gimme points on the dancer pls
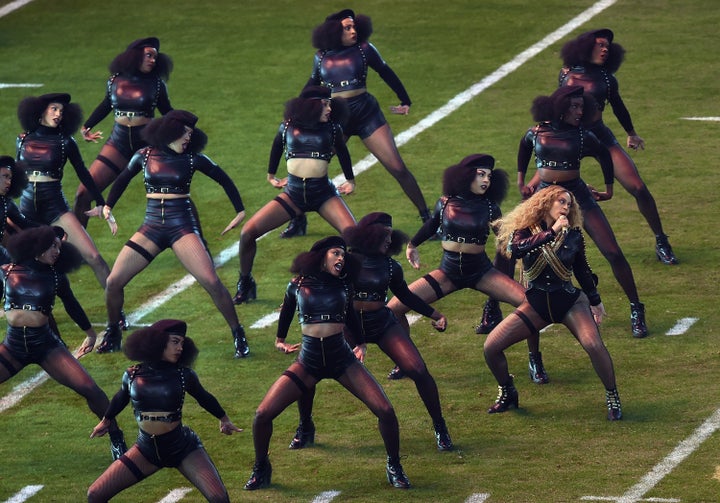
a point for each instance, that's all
(157, 386)
(12, 182)
(376, 241)
(591, 60)
(341, 63)
(310, 134)
(46, 145)
(168, 163)
(473, 191)
(544, 231)
(33, 279)
(559, 141)
(322, 293)
(136, 88)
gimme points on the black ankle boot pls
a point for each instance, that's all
(491, 317)
(260, 477)
(613, 405)
(444, 442)
(507, 398)
(296, 227)
(112, 339)
(241, 346)
(117, 444)
(536, 369)
(637, 320)
(664, 251)
(246, 289)
(396, 374)
(124, 325)
(304, 435)
(396, 475)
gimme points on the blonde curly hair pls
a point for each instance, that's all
(532, 211)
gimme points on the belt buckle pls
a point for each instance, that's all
(552, 163)
(164, 190)
(460, 239)
(362, 295)
(27, 307)
(344, 83)
(315, 155)
(324, 317)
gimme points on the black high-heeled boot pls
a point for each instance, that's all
(536, 369)
(260, 476)
(117, 444)
(612, 398)
(112, 339)
(637, 320)
(296, 227)
(396, 475)
(304, 435)
(124, 325)
(664, 251)
(444, 442)
(246, 289)
(396, 373)
(491, 317)
(507, 398)
(241, 346)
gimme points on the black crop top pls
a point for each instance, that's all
(345, 69)
(559, 146)
(139, 93)
(571, 252)
(167, 172)
(602, 85)
(380, 273)
(160, 387)
(317, 142)
(320, 298)
(462, 219)
(45, 152)
(33, 286)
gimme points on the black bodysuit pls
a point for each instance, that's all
(379, 274)
(550, 290)
(139, 93)
(320, 141)
(45, 152)
(321, 298)
(462, 219)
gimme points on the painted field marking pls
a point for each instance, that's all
(326, 497)
(667, 465)
(710, 119)
(13, 6)
(176, 495)
(24, 494)
(682, 326)
(477, 498)
(7, 85)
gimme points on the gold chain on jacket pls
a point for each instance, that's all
(548, 257)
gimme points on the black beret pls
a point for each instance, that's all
(604, 33)
(182, 116)
(339, 16)
(63, 98)
(478, 161)
(7, 162)
(327, 243)
(316, 92)
(145, 42)
(176, 327)
(376, 217)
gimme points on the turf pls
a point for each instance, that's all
(236, 63)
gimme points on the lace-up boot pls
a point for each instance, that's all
(491, 317)
(637, 320)
(396, 475)
(536, 369)
(246, 289)
(613, 405)
(507, 398)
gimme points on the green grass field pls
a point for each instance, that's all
(236, 63)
